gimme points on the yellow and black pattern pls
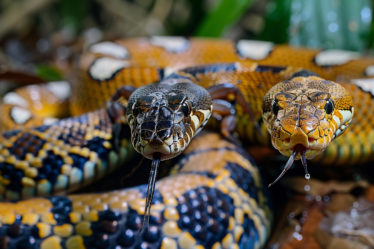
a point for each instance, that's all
(215, 200)
(57, 158)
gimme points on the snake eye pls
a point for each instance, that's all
(329, 106)
(186, 108)
(275, 107)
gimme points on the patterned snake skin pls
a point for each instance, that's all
(214, 197)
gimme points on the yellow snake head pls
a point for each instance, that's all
(304, 114)
(164, 117)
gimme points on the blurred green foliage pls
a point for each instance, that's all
(343, 24)
(225, 14)
(74, 13)
(48, 73)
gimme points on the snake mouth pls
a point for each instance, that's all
(311, 147)
(298, 152)
(161, 149)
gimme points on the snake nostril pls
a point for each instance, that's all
(287, 140)
(311, 140)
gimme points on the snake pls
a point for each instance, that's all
(154, 96)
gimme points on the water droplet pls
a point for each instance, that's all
(307, 176)
(297, 236)
(307, 188)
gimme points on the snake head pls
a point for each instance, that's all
(304, 114)
(164, 117)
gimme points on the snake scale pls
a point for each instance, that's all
(214, 197)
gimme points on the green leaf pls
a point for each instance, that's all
(277, 21)
(341, 24)
(49, 73)
(74, 12)
(224, 15)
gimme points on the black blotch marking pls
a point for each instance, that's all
(8, 171)
(243, 179)
(42, 128)
(273, 69)
(96, 145)
(12, 133)
(26, 143)
(250, 235)
(229, 67)
(198, 206)
(303, 73)
(78, 161)
(51, 167)
(18, 236)
(61, 208)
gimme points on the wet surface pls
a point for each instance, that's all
(325, 215)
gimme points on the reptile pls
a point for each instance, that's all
(204, 202)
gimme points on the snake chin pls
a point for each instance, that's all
(311, 150)
(301, 143)
(162, 150)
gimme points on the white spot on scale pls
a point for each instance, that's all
(49, 121)
(170, 70)
(207, 114)
(171, 81)
(347, 117)
(255, 50)
(365, 84)
(20, 115)
(337, 120)
(111, 49)
(61, 89)
(13, 98)
(75, 176)
(335, 57)
(105, 68)
(88, 170)
(369, 71)
(174, 44)
(195, 122)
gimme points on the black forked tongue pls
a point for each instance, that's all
(289, 164)
(150, 190)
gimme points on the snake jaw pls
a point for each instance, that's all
(300, 141)
(162, 149)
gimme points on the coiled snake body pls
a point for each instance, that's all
(215, 198)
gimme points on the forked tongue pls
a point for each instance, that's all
(150, 190)
(289, 164)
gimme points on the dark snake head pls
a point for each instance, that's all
(164, 117)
